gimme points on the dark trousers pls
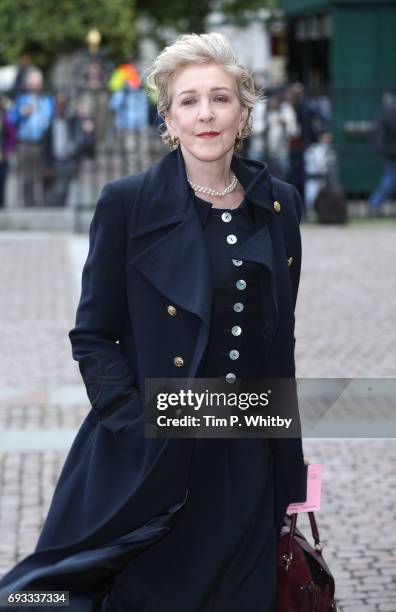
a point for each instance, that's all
(64, 171)
(31, 173)
(386, 187)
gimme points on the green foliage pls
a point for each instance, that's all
(45, 28)
(235, 8)
(180, 15)
(189, 16)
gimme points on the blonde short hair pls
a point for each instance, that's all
(199, 49)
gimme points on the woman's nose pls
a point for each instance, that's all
(205, 112)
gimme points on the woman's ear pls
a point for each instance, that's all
(169, 125)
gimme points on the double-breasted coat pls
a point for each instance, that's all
(118, 491)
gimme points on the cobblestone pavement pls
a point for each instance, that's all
(345, 328)
(36, 310)
(345, 318)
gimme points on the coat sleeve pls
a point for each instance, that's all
(290, 469)
(296, 267)
(101, 314)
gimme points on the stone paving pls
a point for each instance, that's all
(345, 318)
(345, 328)
(36, 309)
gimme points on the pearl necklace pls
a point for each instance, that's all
(214, 192)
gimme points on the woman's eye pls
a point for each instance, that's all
(187, 101)
(221, 98)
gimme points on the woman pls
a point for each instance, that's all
(192, 271)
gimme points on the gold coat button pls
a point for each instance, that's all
(277, 206)
(172, 311)
(289, 261)
(178, 361)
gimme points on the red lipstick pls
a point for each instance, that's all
(208, 134)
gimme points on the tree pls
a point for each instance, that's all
(190, 16)
(44, 28)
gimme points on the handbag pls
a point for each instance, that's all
(330, 204)
(304, 581)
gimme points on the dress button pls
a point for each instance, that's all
(238, 307)
(289, 261)
(237, 262)
(172, 311)
(277, 206)
(236, 330)
(231, 239)
(234, 354)
(178, 361)
(226, 217)
(241, 284)
(230, 377)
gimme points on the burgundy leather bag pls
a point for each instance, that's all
(305, 583)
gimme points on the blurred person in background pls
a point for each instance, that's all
(31, 114)
(280, 127)
(385, 141)
(323, 191)
(68, 138)
(90, 77)
(295, 95)
(130, 106)
(319, 159)
(311, 124)
(7, 144)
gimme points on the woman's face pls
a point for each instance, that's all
(205, 112)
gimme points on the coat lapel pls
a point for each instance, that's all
(168, 245)
(171, 253)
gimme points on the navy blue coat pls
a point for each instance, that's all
(118, 491)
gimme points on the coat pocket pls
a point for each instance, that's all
(119, 416)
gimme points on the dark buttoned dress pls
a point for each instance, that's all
(220, 556)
